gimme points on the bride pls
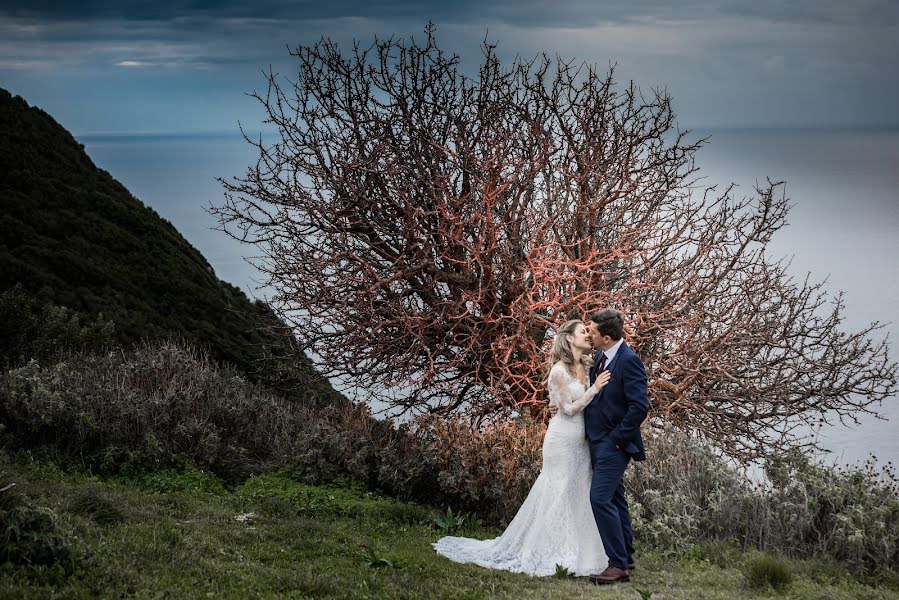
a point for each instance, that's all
(555, 524)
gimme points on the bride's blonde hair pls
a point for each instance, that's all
(561, 350)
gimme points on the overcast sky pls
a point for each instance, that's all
(172, 66)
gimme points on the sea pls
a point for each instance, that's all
(843, 227)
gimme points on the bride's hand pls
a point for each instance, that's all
(601, 380)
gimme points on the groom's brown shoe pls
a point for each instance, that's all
(610, 575)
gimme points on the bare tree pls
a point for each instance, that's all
(425, 230)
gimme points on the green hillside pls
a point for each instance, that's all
(74, 236)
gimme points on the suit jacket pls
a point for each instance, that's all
(616, 412)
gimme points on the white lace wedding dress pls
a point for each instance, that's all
(555, 523)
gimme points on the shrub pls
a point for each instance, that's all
(33, 329)
(848, 513)
(488, 471)
(150, 407)
(684, 493)
(767, 572)
(28, 534)
(96, 506)
(184, 480)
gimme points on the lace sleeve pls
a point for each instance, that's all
(560, 392)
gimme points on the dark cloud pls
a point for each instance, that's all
(519, 12)
(725, 62)
(263, 9)
(834, 12)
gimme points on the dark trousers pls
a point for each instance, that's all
(609, 505)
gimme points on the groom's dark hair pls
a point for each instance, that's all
(609, 322)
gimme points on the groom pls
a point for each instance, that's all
(612, 425)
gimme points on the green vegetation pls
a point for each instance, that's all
(273, 536)
(80, 244)
(28, 534)
(97, 506)
(768, 572)
(32, 329)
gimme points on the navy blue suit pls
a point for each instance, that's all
(612, 426)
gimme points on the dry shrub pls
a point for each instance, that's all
(159, 403)
(488, 470)
(850, 513)
(685, 493)
(146, 407)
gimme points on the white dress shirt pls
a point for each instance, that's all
(611, 352)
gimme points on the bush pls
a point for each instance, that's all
(28, 534)
(848, 513)
(149, 407)
(767, 572)
(162, 404)
(444, 462)
(97, 507)
(32, 329)
(684, 493)
(185, 479)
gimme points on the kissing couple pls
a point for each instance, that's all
(576, 513)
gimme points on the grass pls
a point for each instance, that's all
(178, 535)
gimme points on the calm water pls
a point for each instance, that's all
(844, 226)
